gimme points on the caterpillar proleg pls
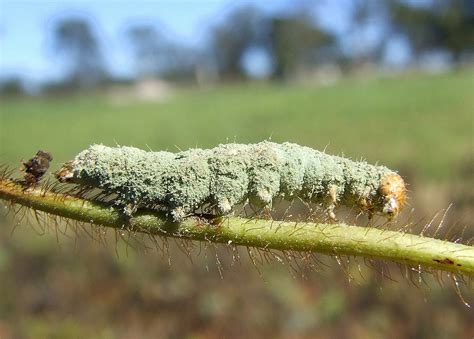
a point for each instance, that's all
(220, 178)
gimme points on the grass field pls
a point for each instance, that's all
(421, 124)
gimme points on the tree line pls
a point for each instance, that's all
(290, 42)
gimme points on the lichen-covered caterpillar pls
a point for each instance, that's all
(217, 179)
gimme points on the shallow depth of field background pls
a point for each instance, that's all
(387, 81)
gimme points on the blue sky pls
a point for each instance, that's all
(25, 27)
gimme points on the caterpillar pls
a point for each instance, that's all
(231, 174)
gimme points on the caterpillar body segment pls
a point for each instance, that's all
(220, 178)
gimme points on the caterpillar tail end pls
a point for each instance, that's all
(65, 173)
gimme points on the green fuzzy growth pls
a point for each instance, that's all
(225, 176)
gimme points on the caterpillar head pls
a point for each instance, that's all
(392, 192)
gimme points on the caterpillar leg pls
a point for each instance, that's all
(178, 214)
(267, 210)
(370, 214)
(223, 206)
(264, 202)
(366, 207)
(331, 204)
(261, 197)
(129, 209)
(264, 196)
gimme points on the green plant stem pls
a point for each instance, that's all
(332, 239)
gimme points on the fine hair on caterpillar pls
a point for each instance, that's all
(216, 180)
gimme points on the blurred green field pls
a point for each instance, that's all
(421, 124)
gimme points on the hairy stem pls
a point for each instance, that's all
(332, 239)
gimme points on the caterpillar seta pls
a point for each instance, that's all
(215, 180)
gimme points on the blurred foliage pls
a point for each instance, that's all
(76, 42)
(157, 56)
(242, 29)
(12, 87)
(443, 25)
(294, 42)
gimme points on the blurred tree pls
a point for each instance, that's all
(12, 86)
(75, 40)
(296, 42)
(244, 28)
(145, 42)
(446, 24)
(182, 63)
(367, 17)
(158, 57)
(292, 41)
